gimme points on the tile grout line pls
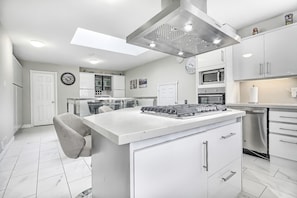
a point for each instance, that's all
(65, 173)
(5, 189)
(37, 182)
(263, 192)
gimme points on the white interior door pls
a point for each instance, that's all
(43, 97)
(167, 94)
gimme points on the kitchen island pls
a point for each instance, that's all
(139, 155)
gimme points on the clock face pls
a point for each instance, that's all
(68, 78)
(191, 65)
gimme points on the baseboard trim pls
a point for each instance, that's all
(6, 148)
(25, 126)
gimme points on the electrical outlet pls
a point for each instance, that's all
(294, 92)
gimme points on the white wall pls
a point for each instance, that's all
(270, 91)
(6, 89)
(63, 91)
(162, 71)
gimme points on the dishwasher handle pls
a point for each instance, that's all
(256, 111)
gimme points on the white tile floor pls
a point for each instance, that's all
(36, 167)
(264, 180)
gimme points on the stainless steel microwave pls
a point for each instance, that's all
(212, 76)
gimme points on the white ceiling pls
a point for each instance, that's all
(55, 22)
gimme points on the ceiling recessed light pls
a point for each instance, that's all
(216, 41)
(94, 61)
(247, 55)
(180, 53)
(152, 45)
(36, 43)
(188, 27)
(88, 38)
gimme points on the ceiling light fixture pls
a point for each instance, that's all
(216, 41)
(152, 44)
(36, 43)
(94, 61)
(180, 53)
(188, 27)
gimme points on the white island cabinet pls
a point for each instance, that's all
(136, 155)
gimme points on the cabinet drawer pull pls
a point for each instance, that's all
(284, 141)
(227, 136)
(288, 129)
(231, 175)
(261, 69)
(206, 155)
(288, 117)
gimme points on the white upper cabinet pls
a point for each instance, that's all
(118, 86)
(249, 58)
(87, 80)
(213, 58)
(280, 52)
(118, 82)
(268, 55)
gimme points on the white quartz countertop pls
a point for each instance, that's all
(265, 105)
(130, 125)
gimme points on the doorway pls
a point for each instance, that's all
(43, 86)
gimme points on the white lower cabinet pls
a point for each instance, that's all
(172, 169)
(221, 144)
(200, 165)
(226, 182)
(283, 146)
(283, 134)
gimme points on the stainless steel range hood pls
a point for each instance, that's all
(183, 29)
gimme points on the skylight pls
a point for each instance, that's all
(88, 38)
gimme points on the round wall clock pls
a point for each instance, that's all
(68, 78)
(190, 65)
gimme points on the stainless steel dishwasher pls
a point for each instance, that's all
(255, 133)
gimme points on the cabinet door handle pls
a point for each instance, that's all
(261, 69)
(227, 136)
(288, 129)
(268, 68)
(229, 176)
(284, 141)
(288, 117)
(206, 155)
(222, 55)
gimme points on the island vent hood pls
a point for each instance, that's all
(183, 29)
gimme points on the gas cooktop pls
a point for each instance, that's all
(183, 110)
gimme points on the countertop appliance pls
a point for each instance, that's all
(183, 110)
(183, 29)
(255, 133)
(211, 95)
(212, 76)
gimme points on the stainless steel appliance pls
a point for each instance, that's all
(212, 76)
(183, 110)
(211, 95)
(255, 133)
(183, 29)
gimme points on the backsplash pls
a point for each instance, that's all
(270, 91)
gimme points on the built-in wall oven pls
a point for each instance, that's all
(211, 95)
(212, 76)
